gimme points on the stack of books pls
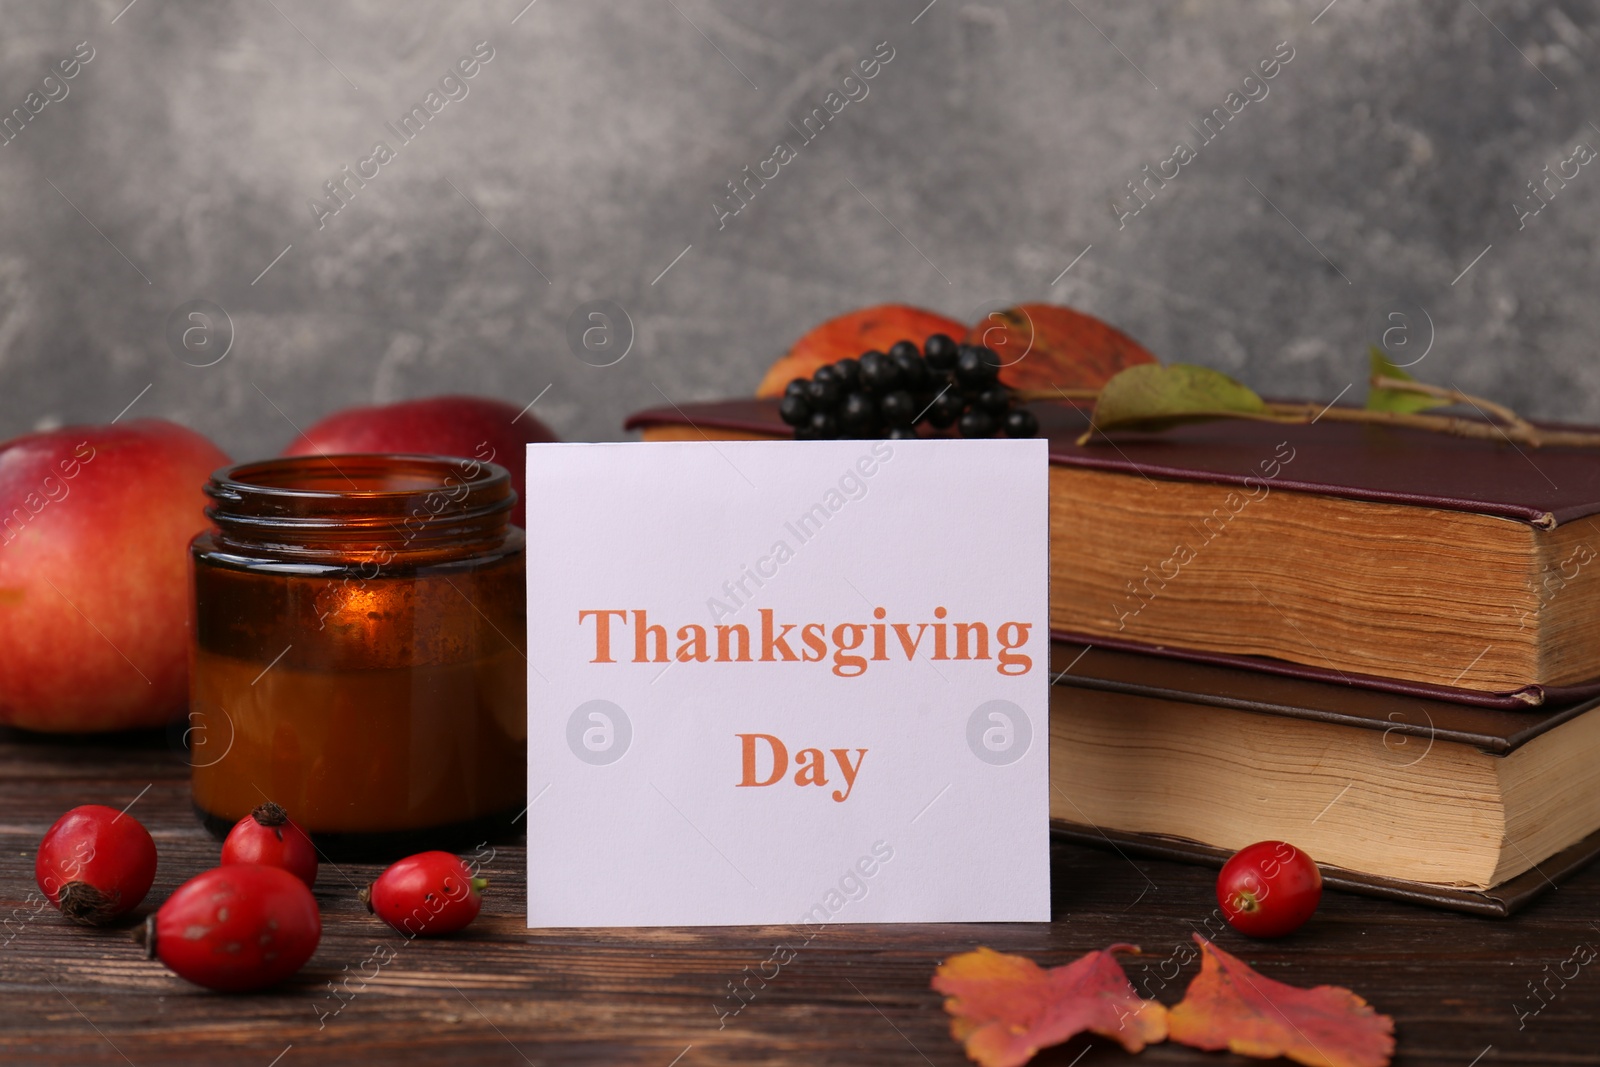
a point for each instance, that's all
(1379, 643)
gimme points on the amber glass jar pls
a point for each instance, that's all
(358, 652)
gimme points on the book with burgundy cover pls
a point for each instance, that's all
(1384, 557)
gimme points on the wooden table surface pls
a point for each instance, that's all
(502, 994)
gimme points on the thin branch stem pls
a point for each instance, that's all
(1526, 433)
(1517, 430)
(1453, 396)
(1055, 393)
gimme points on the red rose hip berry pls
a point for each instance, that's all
(269, 837)
(426, 895)
(1269, 889)
(95, 863)
(236, 929)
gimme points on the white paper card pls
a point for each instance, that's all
(782, 682)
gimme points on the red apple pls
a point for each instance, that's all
(95, 524)
(471, 427)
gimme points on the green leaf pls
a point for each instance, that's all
(1385, 399)
(1152, 396)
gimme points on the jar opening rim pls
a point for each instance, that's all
(331, 507)
(372, 476)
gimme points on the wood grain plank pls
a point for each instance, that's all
(502, 994)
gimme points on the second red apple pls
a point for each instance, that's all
(467, 426)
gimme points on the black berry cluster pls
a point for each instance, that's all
(891, 394)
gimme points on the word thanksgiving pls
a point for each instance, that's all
(779, 642)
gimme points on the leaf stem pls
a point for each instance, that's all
(1516, 430)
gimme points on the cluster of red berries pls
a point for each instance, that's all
(943, 384)
(251, 922)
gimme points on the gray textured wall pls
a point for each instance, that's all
(588, 153)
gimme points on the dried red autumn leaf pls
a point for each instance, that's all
(1230, 1006)
(1006, 1008)
(1045, 345)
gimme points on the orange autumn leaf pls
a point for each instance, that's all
(1006, 1008)
(853, 333)
(1229, 1005)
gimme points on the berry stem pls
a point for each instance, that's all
(269, 814)
(83, 903)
